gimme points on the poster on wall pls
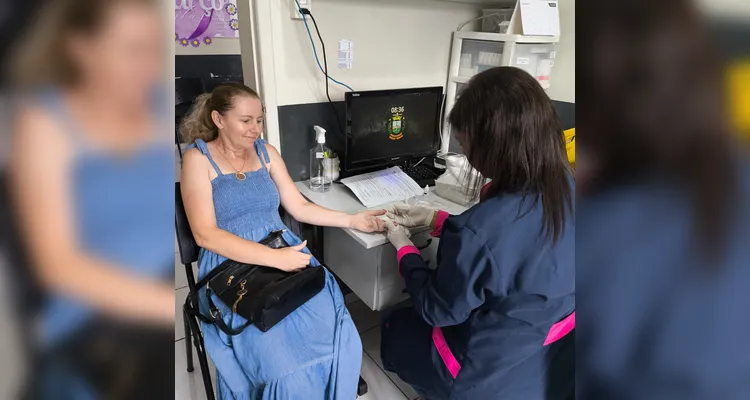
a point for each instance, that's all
(197, 22)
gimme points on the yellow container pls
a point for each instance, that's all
(570, 145)
(739, 96)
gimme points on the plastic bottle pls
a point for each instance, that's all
(319, 181)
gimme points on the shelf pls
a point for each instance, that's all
(460, 79)
(503, 37)
(493, 3)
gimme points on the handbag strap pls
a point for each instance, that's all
(219, 321)
(214, 317)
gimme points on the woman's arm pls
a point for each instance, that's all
(447, 295)
(304, 211)
(40, 164)
(197, 195)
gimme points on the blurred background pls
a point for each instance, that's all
(663, 202)
(86, 199)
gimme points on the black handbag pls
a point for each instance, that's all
(262, 295)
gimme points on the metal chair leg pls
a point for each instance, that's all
(203, 360)
(188, 337)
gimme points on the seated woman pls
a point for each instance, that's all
(232, 184)
(483, 322)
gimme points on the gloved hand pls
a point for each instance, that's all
(411, 216)
(398, 235)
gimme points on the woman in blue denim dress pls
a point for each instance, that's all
(232, 185)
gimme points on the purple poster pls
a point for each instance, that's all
(197, 22)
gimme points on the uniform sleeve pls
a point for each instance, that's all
(439, 222)
(447, 295)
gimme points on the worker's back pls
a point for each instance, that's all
(655, 320)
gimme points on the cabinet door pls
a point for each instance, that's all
(355, 265)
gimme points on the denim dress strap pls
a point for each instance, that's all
(203, 147)
(52, 101)
(262, 151)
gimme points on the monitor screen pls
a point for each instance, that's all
(386, 126)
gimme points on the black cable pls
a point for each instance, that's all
(325, 71)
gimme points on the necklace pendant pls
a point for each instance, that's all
(240, 176)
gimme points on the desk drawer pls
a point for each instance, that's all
(391, 296)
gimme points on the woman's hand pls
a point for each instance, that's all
(368, 221)
(398, 235)
(412, 216)
(292, 258)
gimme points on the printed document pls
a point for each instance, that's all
(382, 187)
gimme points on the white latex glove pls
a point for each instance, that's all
(411, 216)
(398, 235)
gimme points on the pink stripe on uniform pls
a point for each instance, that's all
(406, 250)
(445, 352)
(402, 252)
(439, 221)
(560, 329)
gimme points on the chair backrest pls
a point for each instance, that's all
(27, 292)
(185, 241)
(186, 90)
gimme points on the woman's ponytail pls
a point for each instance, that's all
(198, 123)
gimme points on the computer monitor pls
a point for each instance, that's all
(386, 127)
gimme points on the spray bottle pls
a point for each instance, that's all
(319, 180)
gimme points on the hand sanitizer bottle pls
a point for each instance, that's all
(319, 181)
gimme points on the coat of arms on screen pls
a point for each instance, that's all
(396, 123)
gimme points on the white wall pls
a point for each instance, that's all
(732, 9)
(397, 43)
(563, 80)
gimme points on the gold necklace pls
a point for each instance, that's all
(237, 172)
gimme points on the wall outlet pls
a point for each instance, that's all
(302, 4)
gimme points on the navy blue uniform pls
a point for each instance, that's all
(499, 287)
(657, 320)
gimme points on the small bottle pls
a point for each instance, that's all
(319, 180)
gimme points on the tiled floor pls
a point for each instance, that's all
(381, 385)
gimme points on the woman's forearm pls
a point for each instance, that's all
(234, 247)
(313, 214)
(107, 288)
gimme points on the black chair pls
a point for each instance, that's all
(186, 90)
(27, 295)
(189, 254)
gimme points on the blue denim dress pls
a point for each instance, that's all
(315, 352)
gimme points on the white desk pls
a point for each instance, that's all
(367, 262)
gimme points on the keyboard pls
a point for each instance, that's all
(423, 175)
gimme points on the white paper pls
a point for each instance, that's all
(383, 187)
(540, 17)
(522, 61)
(345, 54)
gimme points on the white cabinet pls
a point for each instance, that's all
(372, 274)
(474, 52)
